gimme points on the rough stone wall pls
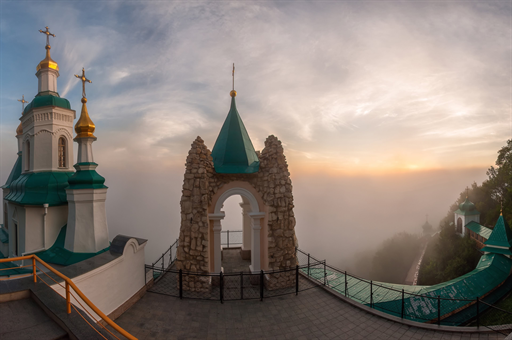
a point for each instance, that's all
(272, 182)
(192, 255)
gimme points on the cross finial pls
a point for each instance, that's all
(467, 192)
(501, 210)
(23, 102)
(47, 32)
(233, 76)
(84, 80)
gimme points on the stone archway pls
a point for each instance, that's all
(253, 216)
(268, 193)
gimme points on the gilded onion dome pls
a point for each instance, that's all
(84, 127)
(19, 130)
(47, 62)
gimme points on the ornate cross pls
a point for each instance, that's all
(83, 79)
(233, 76)
(47, 35)
(23, 102)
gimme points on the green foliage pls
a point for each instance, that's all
(393, 259)
(448, 256)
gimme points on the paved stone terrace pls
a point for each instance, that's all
(313, 314)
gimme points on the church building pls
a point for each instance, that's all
(52, 207)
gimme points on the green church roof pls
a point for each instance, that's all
(57, 254)
(479, 229)
(40, 187)
(233, 152)
(501, 235)
(15, 172)
(467, 208)
(44, 99)
(86, 179)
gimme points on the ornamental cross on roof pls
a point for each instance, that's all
(23, 102)
(47, 32)
(233, 76)
(83, 79)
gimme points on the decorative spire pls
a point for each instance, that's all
(233, 92)
(47, 62)
(501, 209)
(19, 129)
(84, 126)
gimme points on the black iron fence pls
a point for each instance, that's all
(233, 286)
(424, 308)
(311, 272)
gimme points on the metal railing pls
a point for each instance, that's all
(169, 255)
(69, 285)
(422, 308)
(233, 286)
(231, 238)
(311, 272)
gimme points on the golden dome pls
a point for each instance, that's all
(232, 93)
(19, 130)
(48, 62)
(84, 127)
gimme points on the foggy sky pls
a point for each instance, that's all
(369, 99)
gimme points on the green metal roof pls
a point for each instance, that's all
(39, 188)
(86, 179)
(497, 250)
(9, 272)
(233, 152)
(57, 254)
(491, 271)
(479, 229)
(501, 235)
(47, 100)
(467, 208)
(4, 235)
(15, 172)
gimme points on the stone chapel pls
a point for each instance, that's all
(262, 179)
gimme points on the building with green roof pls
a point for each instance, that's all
(233, 152)
(464, 214)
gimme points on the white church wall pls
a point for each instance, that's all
(111, 285)
(16, 215)
(33, 229)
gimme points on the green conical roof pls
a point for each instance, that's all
(233, 152)
(501, 235)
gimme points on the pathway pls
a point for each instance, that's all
(313, 314)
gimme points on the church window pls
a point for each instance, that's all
(62, 152)
(27, 163)
(459, 225)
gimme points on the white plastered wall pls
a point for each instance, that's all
(87, 230)
(40, 237)
(466, 220)
(112, 284)
(43, 127)
(16, 214)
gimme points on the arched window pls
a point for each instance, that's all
(62, 152)
(459, 225)
(27, 158)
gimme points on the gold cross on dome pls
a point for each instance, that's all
(47, 32)
(23, 102)
(84, 80)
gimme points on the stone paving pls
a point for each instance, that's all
(24, 319)
(313, 314)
